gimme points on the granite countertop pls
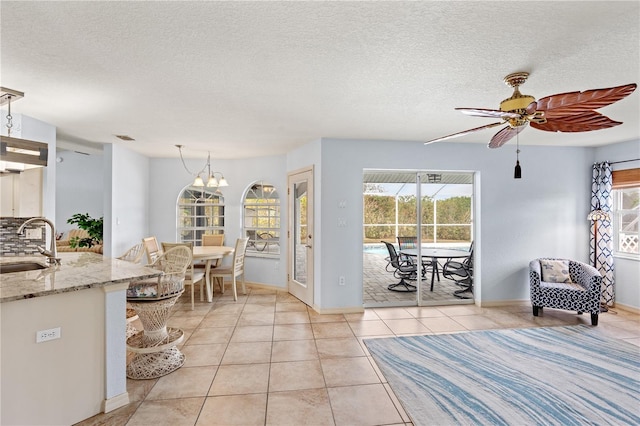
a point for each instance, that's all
(77, 271)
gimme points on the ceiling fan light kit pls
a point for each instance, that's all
(562, 112)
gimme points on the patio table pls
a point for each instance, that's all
(435, 254)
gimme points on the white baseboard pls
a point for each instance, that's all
(115, 402)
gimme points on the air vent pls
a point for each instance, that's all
(125, 138)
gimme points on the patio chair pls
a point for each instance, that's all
(152, 248)
(462, 274)
(412, 243)
(401, 270)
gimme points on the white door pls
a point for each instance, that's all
(300, 235)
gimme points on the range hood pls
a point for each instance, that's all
(15, 152)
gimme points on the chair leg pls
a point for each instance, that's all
(594, 319)
(235, 292)
(192, 294)
(244, 290)
(535, 311)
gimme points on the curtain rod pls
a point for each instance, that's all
(624, 161)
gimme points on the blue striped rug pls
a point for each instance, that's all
(535, 376)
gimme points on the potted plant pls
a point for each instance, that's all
(93, 226)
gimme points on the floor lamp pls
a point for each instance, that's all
(595, 216)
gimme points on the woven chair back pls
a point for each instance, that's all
(134, 254)
(152, 249)
(213, 240)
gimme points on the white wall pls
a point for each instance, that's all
(169, 178)
(79, 187)
(127, 196)
(627, 271)
(542, 214)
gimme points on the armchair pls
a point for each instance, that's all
(565, 284)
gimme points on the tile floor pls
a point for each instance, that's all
(269, 360)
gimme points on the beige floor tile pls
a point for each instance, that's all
(348, 371)
(184, 322)
(633, 341)
(299, 407)
(201, 355)
(259, 308)
(205, 336)
(292, 332)
(227, 308)
(368, 314)
(139, 389)
(424, 312)
(371, 328)
(476, 322)
(406, 326)
(374, 405)
(316, 317)
(116, 417)
(339, 348)
(261, 298)
(185, 382)
(611, 329)
(392, 313)
(327, 330)
(253, 333)
(459, 310)
(234, 410)
(442, 324)
(220, 320)
(183, 411)
(240, 379)
(291, 318)
(377, 369)
(295, 375)
(294, 350)
(290, 307)
(286, 297)
(398, 405)
(256, 318)
(247, 353)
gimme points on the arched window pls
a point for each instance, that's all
(261, 219)
(200, 211)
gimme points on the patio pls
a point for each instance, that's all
(376, 279)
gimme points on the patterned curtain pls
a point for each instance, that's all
(601, 240)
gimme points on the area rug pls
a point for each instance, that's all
(535, 376)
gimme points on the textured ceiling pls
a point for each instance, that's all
(244, 79)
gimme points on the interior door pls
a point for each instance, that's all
(300, 235)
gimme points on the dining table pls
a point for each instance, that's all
(208, 254)
(434, 254)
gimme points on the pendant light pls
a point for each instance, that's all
(212, 180)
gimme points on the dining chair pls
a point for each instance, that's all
(192, 276)
(212, 240)
(235, 270)
(152, 249)
(412, 243)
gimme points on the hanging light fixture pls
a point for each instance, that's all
(212, 180)
(517, 173)
(17, 152)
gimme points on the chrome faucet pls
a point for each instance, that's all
(52, 253)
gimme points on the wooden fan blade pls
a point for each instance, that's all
(466, 132)
(504, 136)
(531, 108)
(494, 113)
(585, 122)
(564, 104)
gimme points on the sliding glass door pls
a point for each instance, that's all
(428, 210)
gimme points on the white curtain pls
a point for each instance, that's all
(601, 241)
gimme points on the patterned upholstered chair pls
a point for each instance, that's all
(565, 284)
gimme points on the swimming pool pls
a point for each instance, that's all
(381, 249)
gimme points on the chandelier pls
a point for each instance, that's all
(212, 180)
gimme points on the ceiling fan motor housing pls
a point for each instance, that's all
(518, 102)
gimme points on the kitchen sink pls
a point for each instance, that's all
(7, 268)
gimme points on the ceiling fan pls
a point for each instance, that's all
(562, 112)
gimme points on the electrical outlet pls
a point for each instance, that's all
(46, 335)
(34, 234)
(341, 280)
